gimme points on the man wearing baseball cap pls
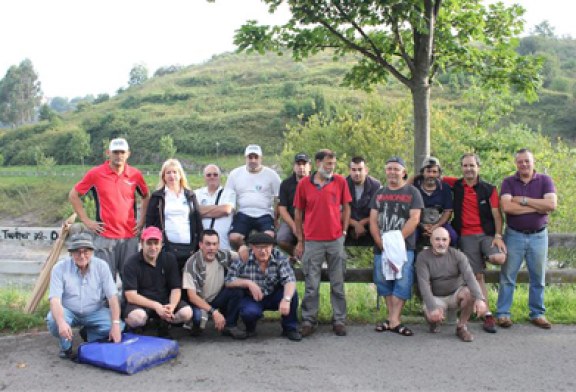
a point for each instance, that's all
(269, 284)
(286, 235)
(256, 188)
(152, 285)
(77, 285)
(113, 186)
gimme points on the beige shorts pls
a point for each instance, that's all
(447, 302)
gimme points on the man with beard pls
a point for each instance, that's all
(286, 235)
(478, 222)
(437, 197)
(394, 216)
(325, 200)
(256, 187)
(362, 187)
(446, 281)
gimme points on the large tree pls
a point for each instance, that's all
(20, 94)
(412, 40)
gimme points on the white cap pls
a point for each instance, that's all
(118, 144)
(253, 149)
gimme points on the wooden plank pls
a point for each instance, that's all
(364, 275)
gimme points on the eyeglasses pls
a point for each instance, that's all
(80, 252)
(118, 152)
(211, 174)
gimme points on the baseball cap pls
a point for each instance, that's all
(151, 232)
(261, 238)
(253, 149)
(397, 160)
(430, 161)
(80, 240)
(301, 157)
(119, 144)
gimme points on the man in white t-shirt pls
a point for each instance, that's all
(216, 204)
(256, 188)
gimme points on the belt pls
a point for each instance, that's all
(530, 231)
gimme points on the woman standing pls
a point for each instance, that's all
(173, 208)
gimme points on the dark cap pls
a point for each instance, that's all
(301, 157)
(397, 160)
(430, 161)
(261, 238)
(80, 240)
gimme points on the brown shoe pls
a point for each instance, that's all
(541, 322)
(339, 329)
(463, 333)
(306, 330)
(504, 322)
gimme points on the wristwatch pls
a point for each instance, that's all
(524, 201)
(211, 311)
(287, 298)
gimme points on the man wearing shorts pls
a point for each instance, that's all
(256, 188)
(446, 281)
(478, 222)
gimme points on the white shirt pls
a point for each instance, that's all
(177, 217)
(222, 224)
(255, 192)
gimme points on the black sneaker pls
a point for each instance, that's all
(68, 354)
(234, 333)
(292, 335)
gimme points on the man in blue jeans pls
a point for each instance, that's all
(527, 198)
(78, 285)
(203, 279)
(269, 284)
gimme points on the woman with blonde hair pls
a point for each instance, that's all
(173, 208)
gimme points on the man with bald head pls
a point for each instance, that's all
(217, 204)
(446, 281)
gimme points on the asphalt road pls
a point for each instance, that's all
(523, 358)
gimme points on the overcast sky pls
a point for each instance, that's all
(81, 47)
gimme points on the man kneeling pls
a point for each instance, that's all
(270, 284)
(446, 281)
(152, 285)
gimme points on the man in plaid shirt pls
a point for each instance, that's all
(270, 284)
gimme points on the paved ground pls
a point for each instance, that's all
(523, 358)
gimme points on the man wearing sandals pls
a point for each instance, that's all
(395, 210)
(446, 281)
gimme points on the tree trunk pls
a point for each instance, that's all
(421, 110)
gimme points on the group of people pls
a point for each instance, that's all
(211, 253)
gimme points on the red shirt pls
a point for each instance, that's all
(115, 198)
(471, 223)
(322, 207)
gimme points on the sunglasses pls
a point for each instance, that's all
(211, 174)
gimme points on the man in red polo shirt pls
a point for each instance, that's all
(478, 222)
(324, 199)
(113, 185)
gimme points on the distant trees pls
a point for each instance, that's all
(138, 75)
(20, 94)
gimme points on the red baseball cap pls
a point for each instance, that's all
(151, 232)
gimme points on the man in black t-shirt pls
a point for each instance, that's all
(152, 284)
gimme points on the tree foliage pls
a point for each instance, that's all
(408, 39)
(20, 94)
(138, 75)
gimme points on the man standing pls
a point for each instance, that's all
(152, 285)
(114, 185)
(362, 188)
(478, 222)
(216, 204)
(527, 199)
(203, 279)
(437, 197)
(256, 187)
(446, 281)
(270, 284)
(394, 216)
(325, 200)
(286, 235)
(78, 286)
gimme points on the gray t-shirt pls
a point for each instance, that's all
(442, 275)
(394, 210)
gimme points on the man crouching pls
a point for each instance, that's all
(446, 281)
